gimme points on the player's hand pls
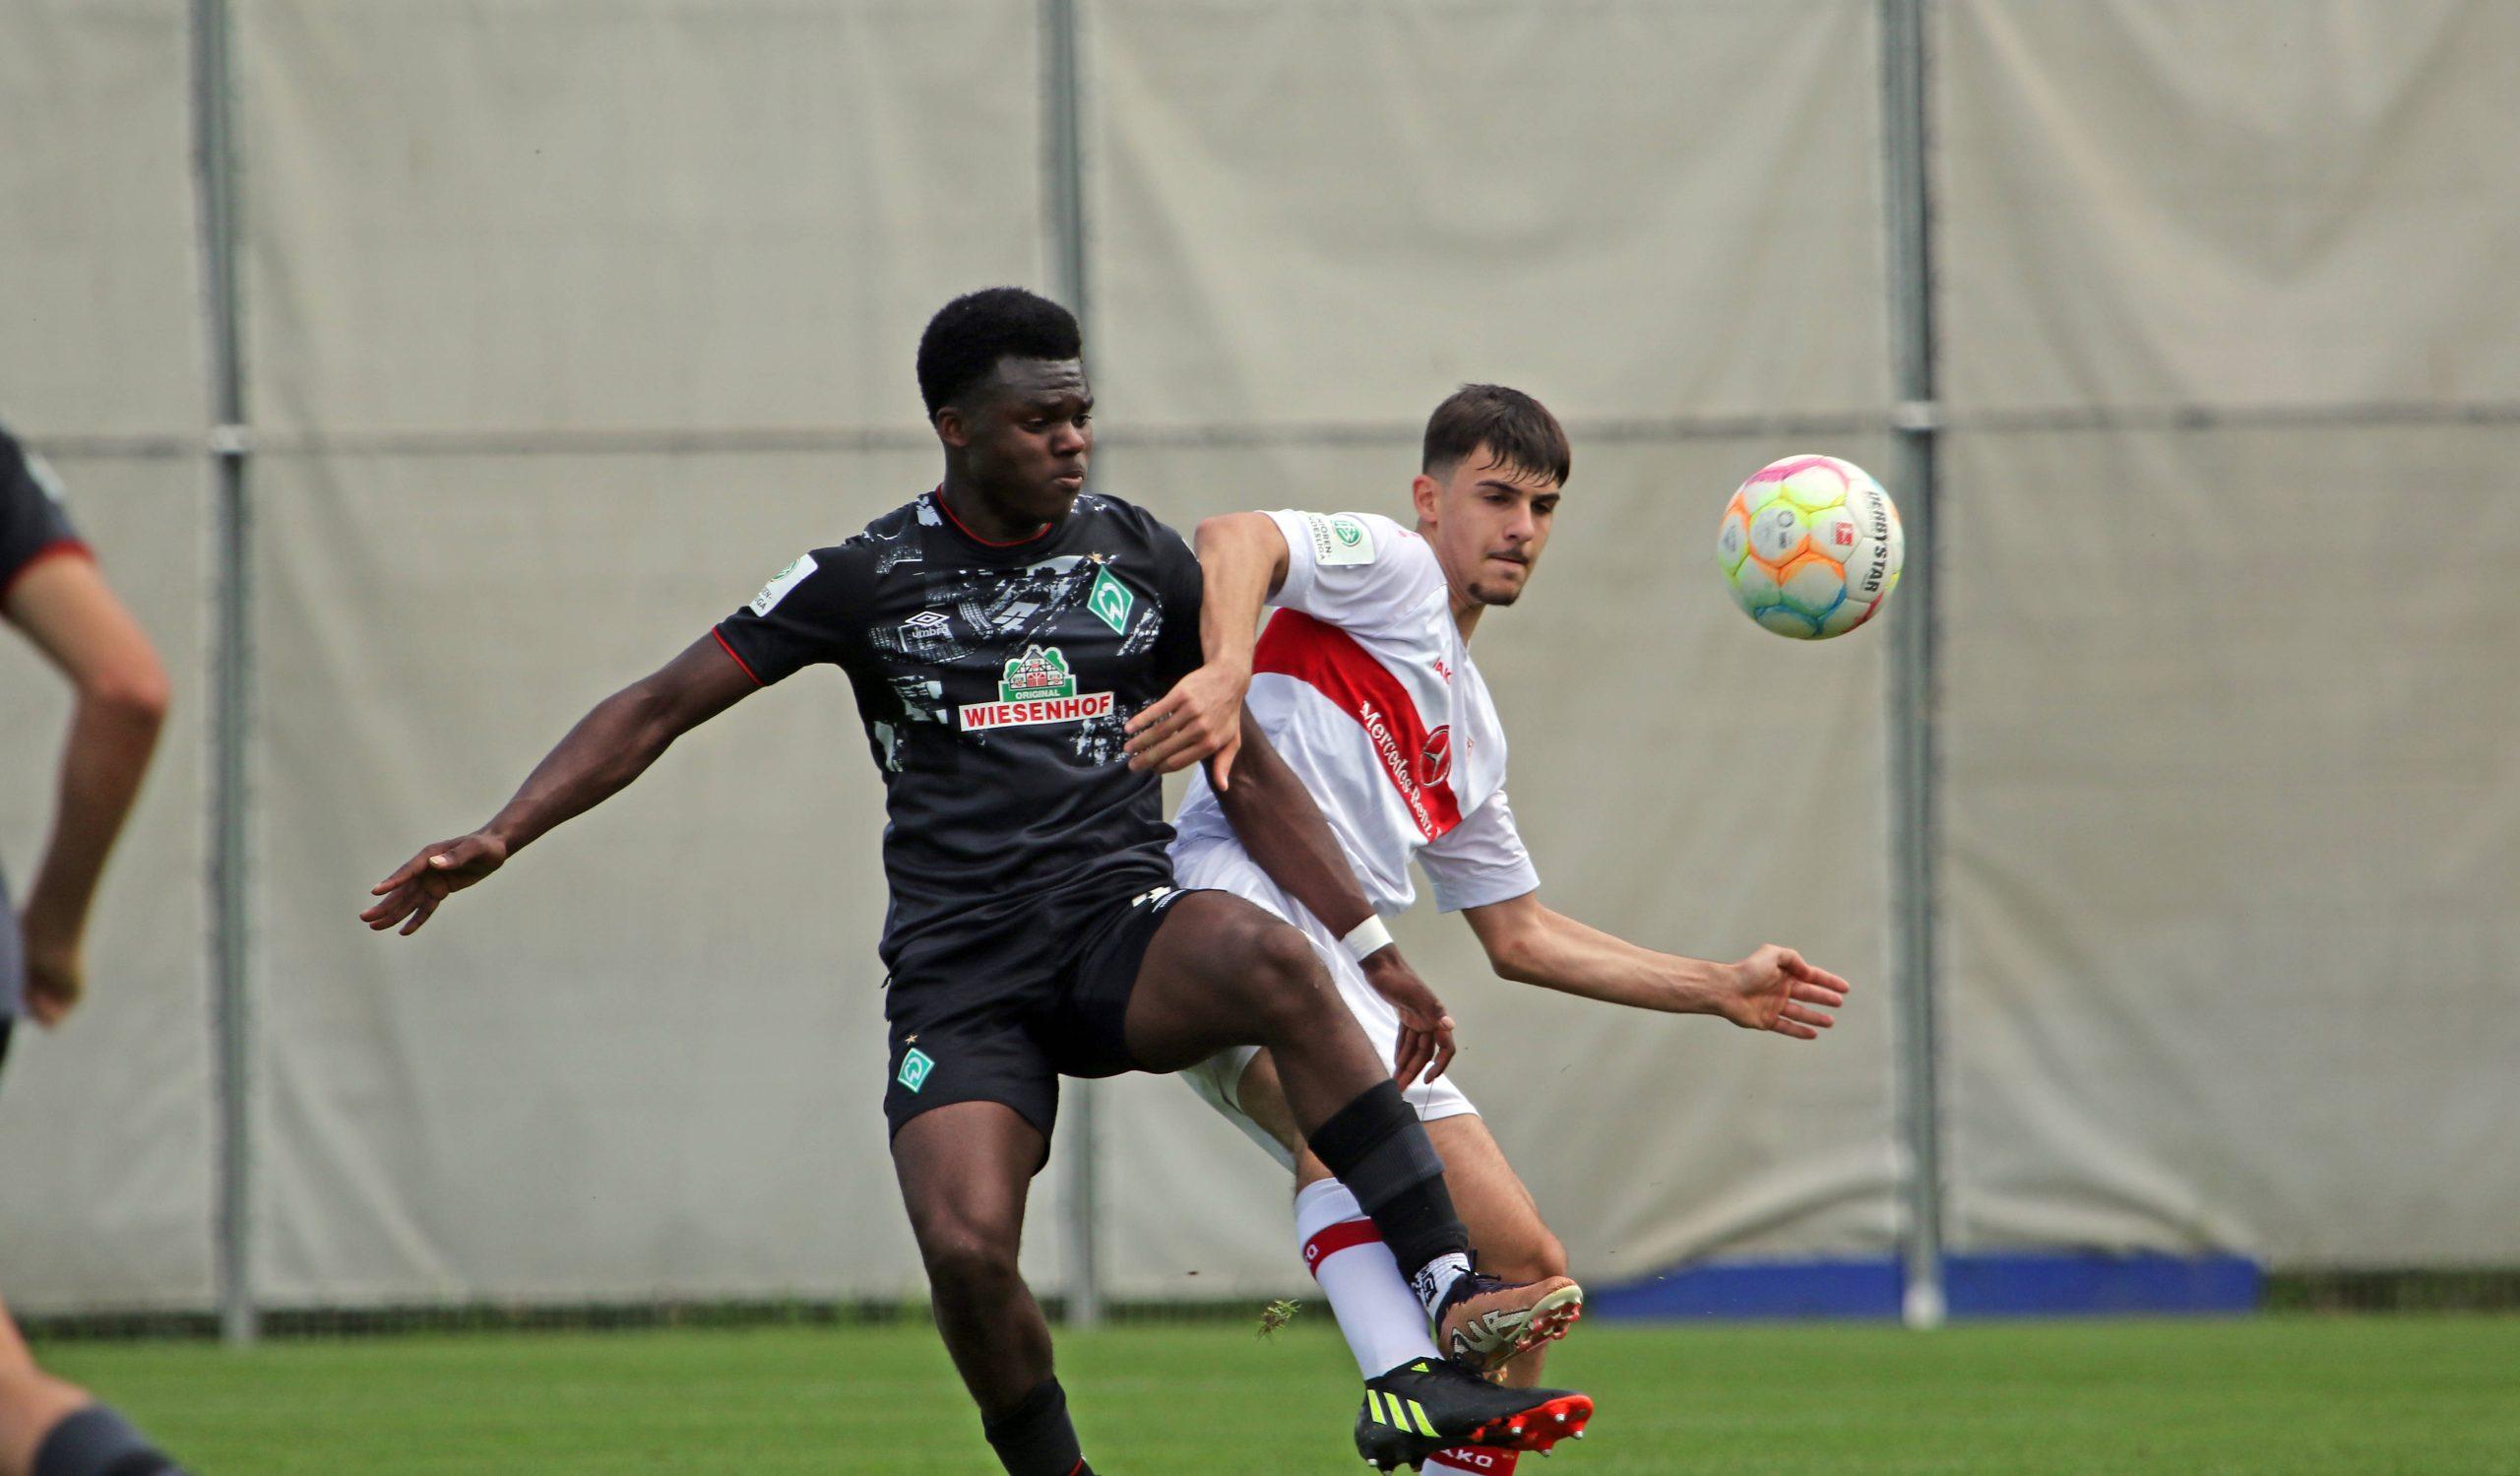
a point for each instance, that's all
(419, 885)
(1775, 989)
(1426, 1026)
(56, 977)
(1201, 717)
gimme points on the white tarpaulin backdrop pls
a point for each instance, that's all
(564, 327)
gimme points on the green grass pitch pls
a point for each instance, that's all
(2301, 1396)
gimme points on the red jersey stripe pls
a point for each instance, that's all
(733, 655)
(1328, 660)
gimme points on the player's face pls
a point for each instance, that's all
(1487, 524)
(1026, 436)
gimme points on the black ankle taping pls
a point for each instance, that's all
(96, 1442)
(1036, 1438)
(1379, 1149)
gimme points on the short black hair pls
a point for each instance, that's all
(969, 336)
(1517, 430)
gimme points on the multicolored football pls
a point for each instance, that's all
(1810, 547)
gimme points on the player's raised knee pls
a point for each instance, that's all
(1284, 980)
(1535, 1255)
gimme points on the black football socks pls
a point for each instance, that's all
(96, 1442)
(1379, 1149)
(1036, 1438)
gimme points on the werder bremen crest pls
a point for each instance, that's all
(1111, 598)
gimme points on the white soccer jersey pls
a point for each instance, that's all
(1364, 684)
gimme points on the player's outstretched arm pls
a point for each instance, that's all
(65, 608)
(610, 745)
(1774, 989)
(1275, 817)
(1242, 556)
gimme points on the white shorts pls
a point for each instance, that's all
(1226, 867)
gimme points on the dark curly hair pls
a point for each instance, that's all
(969, 336)
(1517, 429)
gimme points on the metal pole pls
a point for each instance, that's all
(215, 171)
(1063, 130)
(1914, 844)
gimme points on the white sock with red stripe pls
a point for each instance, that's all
(1379, 1314)
(1471, 1460)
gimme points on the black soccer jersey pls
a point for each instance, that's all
(33, 525)
(994, 682)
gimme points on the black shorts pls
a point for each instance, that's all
(1002, 1019)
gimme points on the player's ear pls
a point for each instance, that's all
(951, 428)
(1422, 495)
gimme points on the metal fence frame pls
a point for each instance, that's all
(1908, 238)
(230, 877)
(1916, 419)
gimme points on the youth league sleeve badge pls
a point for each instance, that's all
(1339, 538)
(777, 590)
(41, 471)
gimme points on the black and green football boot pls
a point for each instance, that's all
(1433, 1404)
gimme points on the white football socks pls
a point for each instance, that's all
(1471, 1460)
(1434, 1280)
(1379, 1314)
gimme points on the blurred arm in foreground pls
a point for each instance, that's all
(50, 590)
(64, 606)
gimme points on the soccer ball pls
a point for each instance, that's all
(1810, 547)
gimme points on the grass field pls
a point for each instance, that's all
(2301, 1396)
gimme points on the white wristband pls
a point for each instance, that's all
(1365, 937)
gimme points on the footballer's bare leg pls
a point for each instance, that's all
(31, 1401)
(1222, 972)
(1515, 1244)
(965, 1170)
(44, 1420)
